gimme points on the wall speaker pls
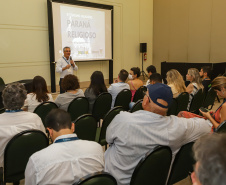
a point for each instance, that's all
(143, 47)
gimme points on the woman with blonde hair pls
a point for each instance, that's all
(217, 117)
(195, 83)
(176, 82)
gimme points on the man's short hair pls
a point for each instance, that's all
(210, 152)
(58, 119)
(123, 75)
(66, 48)
(208, 70)
(156, 77)
(151, 69)
(14, 96)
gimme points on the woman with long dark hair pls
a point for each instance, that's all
(38, 95)
(96, 87)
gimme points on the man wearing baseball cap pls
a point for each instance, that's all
(131, 135)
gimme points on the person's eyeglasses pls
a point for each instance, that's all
(147, 96)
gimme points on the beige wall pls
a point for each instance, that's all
(24, 48)
(189, 31)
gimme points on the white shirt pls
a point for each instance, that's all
(61, 63)
(132, 135)
(64, 163)
(115, 88)
(14, 123)
(31, 102)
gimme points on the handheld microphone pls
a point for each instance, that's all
(70, 60)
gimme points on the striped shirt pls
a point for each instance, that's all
(132, 135)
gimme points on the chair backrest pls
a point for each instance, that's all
(86, 127)
(18, 150)
(137, 106)
(139, 94)
(221, 128)
(182, 102)
(106, 121)
(123, 99)
(153, 168)
(182, 165)
(78, 107)
(197, 101)
(2, 82)
(43, 109)
(172, 110)
(98, 178)
(210, 98)
(102, 105)
(2, 110)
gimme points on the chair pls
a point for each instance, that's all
(172, 110)
(86, 127)
(123, 99)
(78, 107)
(221, 128)
(43, 109)
(98, 178)
(137, 106)
(2, 82)
(209, 99)
(106, 121)
(2, 110)
(182, 165)
(139, 94)
(102, 105)
(196, 101)
(182, 102)
(153, 168)
(18, 151)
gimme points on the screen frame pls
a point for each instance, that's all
(51, 32)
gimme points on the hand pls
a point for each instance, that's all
(115, 81)
(205, 114)
(67, 67)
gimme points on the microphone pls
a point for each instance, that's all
(70, 60)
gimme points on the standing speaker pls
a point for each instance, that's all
(143, 47)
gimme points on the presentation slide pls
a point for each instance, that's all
(86, 30)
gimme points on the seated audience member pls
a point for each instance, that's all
(205, 74)
(195, 83)
(96, 87)
(71, 85)
(131, 135)
(217, 117)
(118, 85)
(210, 168)
(175, 82)
(66, 160)
(39, 94)
(150, 70)
(155, 78)
(14, 120)
(134, 81)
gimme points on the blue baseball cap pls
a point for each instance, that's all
(160, 91)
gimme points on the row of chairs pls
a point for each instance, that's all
(200, 99)
(24, 144)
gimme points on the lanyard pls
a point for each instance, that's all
(66, 139)
(11, 111)
(65, 60)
